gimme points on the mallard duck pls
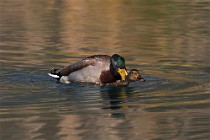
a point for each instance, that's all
(96, 69)
(133, 76)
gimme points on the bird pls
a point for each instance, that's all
(133, 76)
(96, 69)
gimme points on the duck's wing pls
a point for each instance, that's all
(65, 71)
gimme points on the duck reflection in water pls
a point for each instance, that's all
(115, 100)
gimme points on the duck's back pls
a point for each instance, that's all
(91, 69)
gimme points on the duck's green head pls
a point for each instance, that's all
(118, 64)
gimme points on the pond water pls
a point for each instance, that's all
(168, 41)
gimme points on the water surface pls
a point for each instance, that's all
(168, 41)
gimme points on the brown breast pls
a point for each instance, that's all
(106, 77)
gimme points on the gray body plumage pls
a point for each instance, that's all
(87, 70)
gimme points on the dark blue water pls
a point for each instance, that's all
(168, 41)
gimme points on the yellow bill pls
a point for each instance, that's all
(122, 73)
